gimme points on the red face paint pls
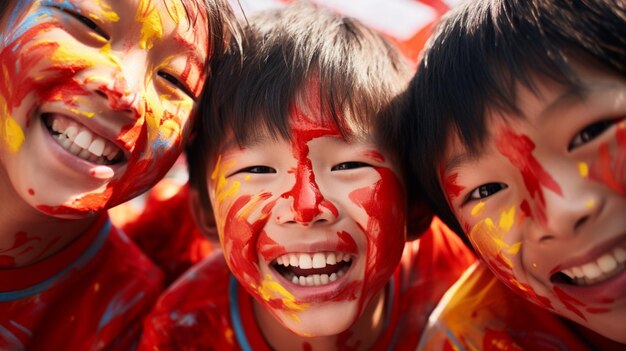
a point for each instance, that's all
(518, 149)
(450, 187)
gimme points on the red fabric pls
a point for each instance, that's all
(480, 313)
(166, 231)
(90, 296)
(194, 313)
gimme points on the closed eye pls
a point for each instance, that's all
(589, 133)
(349, 165)
(177, 83)
(485, 191)
(86, 21)
(257, 170)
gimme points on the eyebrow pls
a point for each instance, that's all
(457, 160)
(570, 95)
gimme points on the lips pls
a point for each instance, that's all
(313, 269)
(82, 142)
(605, 267)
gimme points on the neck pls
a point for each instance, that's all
(360, 336)
(28, 236)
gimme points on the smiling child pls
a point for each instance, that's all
(95, 105)
(309, 201)
(525, 155)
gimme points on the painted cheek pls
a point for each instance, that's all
(518, 150)
(384, 203)
(488, 237)
(450, 187)
(610, 167)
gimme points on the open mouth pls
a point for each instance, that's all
(316, 269)
(82, 142)
(604, 268)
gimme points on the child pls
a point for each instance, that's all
(309, 202)
(95, 102)
(519, 141)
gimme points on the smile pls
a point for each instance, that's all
(82, 142)
(316, 269)
(605, 267)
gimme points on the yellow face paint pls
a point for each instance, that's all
(151, 26)
(271, 289)
(107, 12)
(478, 209)
(13, 134)
(583, 169)
(507, 219)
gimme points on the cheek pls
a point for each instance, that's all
(384, 204)
(609, 167)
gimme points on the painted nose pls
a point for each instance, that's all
(567, 214)
(309, 205)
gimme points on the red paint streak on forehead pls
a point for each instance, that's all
(569, 302)
(518, 150)
(307, 198)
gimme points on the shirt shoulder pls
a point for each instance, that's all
(196, 303)
(479, 311)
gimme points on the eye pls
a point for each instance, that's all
(177, 83)
(485, 190)
(87, 22)
(349, 165)
(257, 170)
(589, 133)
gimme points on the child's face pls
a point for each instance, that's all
(96, 98)
(546, 199)
(313, 228)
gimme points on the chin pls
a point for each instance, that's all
(319, 321)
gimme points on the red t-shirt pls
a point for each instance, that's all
(90, 296)
(480, 313)
(206, 309)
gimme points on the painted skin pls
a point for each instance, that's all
(544, 200)
(94, 109)
(278, 200)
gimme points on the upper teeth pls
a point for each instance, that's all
(604, 267)
(316, 260)
(82, 142)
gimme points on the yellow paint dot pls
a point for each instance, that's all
(583, 169)
(247, 177)
(478, 209)
(590, 203)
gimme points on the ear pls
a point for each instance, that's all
(419, 217)
(203, 215)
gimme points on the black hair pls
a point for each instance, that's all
(478, 55)
(358, 74)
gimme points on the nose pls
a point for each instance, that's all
(120, 84)
(569, 213)
(304, 203)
